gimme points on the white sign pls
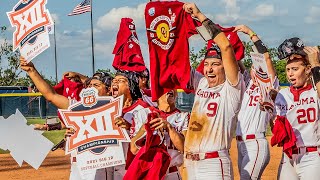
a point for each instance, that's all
(30, 18)
(23, 142)
(97, 141)
(261, 75)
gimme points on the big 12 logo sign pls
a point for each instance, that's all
(31, 19)
(94, 124)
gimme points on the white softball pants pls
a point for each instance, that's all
(253, 158)
(219, 168)
(302, 166)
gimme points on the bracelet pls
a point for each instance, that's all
(315, 74)
(252, 34)
(260, 47)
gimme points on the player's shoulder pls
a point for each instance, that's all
(285, 91)
(203, 82)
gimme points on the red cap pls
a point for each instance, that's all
(127, 51)
(233, 39)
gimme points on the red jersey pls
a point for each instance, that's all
(69, 89)
(127, 49)
(168, 29)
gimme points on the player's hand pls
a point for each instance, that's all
(159, 124)
(272, 93)
(69, 132)
(243, 28)
(312, 54)
(261, 106)
(72, 76)
(142, 129)
(120, 122)
(28, 67)
(192, 9)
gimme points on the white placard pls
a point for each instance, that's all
(97, 141)
(263, 79)
(30, 18)
(23, 142)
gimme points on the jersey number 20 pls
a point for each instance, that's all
(306, 115)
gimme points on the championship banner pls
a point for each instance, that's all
(30, 18)
(97, 141)
(261, 75)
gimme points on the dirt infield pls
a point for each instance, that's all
(56, 166)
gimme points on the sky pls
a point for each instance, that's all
(272, 20)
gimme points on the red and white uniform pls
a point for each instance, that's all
(146, 97)
(211, 127)
(178, 120)
(253, 147)
(127, 114)
(301, 108)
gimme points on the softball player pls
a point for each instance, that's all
(173, 121)
(253, 147)
(299, 104)
(217, 101)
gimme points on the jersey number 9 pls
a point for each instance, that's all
(212, 108)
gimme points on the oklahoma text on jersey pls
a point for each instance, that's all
(303, 101)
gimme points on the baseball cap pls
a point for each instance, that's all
(291, 46)
(213, 52)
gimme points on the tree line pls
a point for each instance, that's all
(10, 73)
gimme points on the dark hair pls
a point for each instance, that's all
(104, 77)
(133, 80)
(145, 74)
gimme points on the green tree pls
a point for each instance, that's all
(280, 65)
(10, 73)
(109, 71)
(9, 63)
(197, 57)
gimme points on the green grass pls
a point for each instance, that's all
(36, 121)
(54, 136)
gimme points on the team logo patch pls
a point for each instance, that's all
(152, 11)
(89, 97)
(161, 31)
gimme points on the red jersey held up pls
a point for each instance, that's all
(69, 89)
(127, 49)
(168, 29)
(152, 160)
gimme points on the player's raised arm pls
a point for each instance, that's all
(260, 47)
(75, 75)
(313, 58)
(44, 88)
(213, 31)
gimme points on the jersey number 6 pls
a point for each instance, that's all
(212, 108)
